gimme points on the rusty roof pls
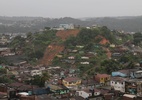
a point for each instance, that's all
(102, 75)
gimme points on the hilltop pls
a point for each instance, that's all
(64, 34)
(74, 56)
(34, 24)
(89, 50)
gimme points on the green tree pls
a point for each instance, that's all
(5, 79)
(89, 47)
(71, 41)
(36, 80)
(3, 60)
(40, 80)
(3, 71)
(130, 65)
(17, 43)
(137, 38)
(110, 66)
(34, 45)
(45, 77)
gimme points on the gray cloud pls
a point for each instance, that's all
(70, 8)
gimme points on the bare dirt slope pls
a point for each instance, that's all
(64, 34)
(50, 52)
(53, 49)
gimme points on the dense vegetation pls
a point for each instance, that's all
(34, 45)
(138, 38)
(90, 44)
(99, 62)
(39, 80)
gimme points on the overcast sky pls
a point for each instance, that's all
(70, 8)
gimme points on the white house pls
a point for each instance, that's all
(137, 74)
(74, 51)
(84, 57)
(36, 72)
(84, 63)
(86, 93)
(118, 83)
(79, 46)
(112, 45)
(129, 97)
(66, 26)
(71, 57)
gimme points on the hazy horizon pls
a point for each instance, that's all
(70, 8)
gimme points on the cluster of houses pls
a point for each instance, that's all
(123, 84)
(6, 52)
(77, 56)
(64, 84)
(6, 38)
(64, 27)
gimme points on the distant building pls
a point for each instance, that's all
(66, 26)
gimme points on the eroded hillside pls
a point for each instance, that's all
(64, 34)
(53, 49)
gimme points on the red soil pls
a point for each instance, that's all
(51, 51)
(104, 41)
(64, 34)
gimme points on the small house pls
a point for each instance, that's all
(71, 57)
(102, 79)
(36, 72)
(86, 93)
(71, 81)
(84, 63)
(118, 83)
(84, 57)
